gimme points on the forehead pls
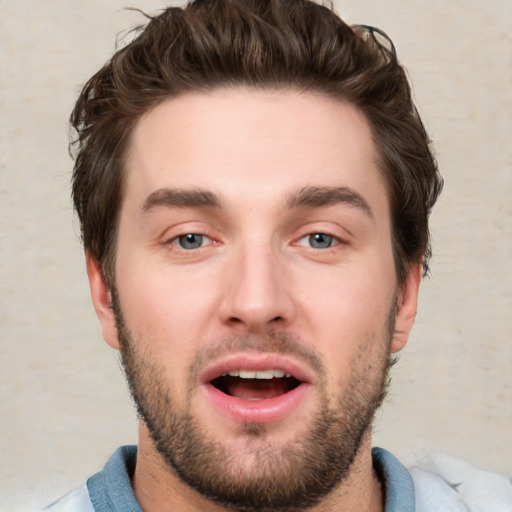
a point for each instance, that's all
(235, 142)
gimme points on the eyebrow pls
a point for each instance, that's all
(306, 197)
(181, 198)
(315, 197)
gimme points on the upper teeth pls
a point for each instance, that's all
(260, 374)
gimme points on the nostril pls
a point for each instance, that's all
(236, 320)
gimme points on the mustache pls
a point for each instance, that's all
(274, 343)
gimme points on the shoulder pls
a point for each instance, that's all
(445, 484)
(440, 483)
(75, 501)
(109, 490)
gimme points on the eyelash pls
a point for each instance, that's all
(332, 241)
(309, 239)
(178, 241)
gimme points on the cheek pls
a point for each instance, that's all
(347, 316)
(167, 311)
(349, 297)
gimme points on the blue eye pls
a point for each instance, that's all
(320, 241)
(190, 241)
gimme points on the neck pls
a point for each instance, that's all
(158, 488)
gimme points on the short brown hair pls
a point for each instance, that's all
(269, 44)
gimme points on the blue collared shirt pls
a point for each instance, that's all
(110, 490)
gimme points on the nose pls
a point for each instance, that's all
(257, 288)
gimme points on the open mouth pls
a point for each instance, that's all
(255, 385)
(256, 388)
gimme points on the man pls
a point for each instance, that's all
(253, 184)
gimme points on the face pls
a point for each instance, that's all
(256, 297)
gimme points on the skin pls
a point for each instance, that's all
(256, 271)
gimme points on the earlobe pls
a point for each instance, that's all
(102, 300)
(406, 306)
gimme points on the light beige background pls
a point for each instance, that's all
(64, 407)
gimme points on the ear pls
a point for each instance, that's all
(102, 300)
(406, 306)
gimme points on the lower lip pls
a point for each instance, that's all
(257, 411)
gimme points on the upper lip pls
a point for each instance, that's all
(256, 362)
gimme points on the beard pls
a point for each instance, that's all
(280, 477)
